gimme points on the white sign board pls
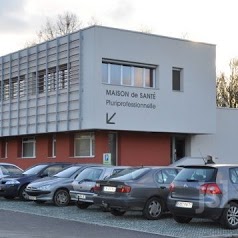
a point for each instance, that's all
(107, 158)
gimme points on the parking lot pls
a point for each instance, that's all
(131, 220)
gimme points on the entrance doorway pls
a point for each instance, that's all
(178, 147)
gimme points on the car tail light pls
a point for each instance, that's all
(171, 187)
(210, 188)
(97, 187)
(123, 189)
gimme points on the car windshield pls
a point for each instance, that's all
(67, 173)
(89, 174)
(35, 169)
(197, 174)
(10, 170)
(132, 175)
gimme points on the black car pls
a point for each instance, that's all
(7, 169)
(209, 191)
(14, 186)
(145, 189)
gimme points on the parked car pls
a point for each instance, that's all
(209, 191)
(145, 189)
(55, 188)
(7, 169)
(193, 161)
(14, 186)
(83, 185)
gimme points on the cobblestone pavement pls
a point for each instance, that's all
(131, 220)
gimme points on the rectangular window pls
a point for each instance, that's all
(139, 77)
(28, 147)
(63, 76)
(52, 79)
(4, 149)
(105, 73)
(14, 87)
(54, 146)
(41, 81)
(6, 89)
(84, 145)
(128, 74)
(115, 74)
(177, 79)
(22, 86)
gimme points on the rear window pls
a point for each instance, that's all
(92, 174)
(133, 175)
(197, 175)
(122, 172)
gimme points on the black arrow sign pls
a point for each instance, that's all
(108, 120)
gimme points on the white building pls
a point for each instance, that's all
(139, 98)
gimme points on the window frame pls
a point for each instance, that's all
(54, 146)
(84, 136)
(28, 140)
(133, 68)
(174, 84)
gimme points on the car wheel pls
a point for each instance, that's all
(117, 212)
(61, 198)
(83, 205)
(229, 218)
(153, 209)
(22, 193)
(181, 219)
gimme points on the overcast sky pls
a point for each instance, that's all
(209, 21)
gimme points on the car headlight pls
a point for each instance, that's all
(45, 187)
(12, 182)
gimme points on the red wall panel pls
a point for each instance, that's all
(137, 149)
(134, 148)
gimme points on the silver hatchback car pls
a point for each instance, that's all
(208, 191)
(83, 185)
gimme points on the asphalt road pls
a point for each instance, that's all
(23, 225)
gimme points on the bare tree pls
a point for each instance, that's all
(145, 29)
(227, 88)
(222, 94)
(233, 85)
(93, 21)
(64, 24)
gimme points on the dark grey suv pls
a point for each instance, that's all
(209, 191)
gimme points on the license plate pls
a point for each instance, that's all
(81, 196)
(31, 198)
(109, 189)
(184, 204)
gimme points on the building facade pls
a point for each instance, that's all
(103, 93)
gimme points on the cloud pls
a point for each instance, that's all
(121, 11)
(12, 6)
(12, 16)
